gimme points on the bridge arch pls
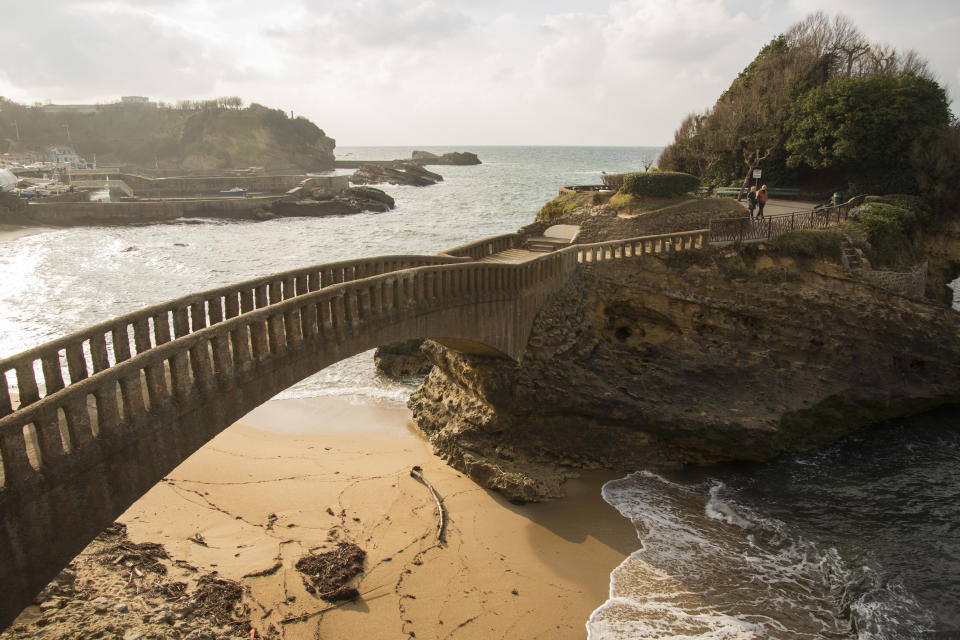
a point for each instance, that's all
(74, 459)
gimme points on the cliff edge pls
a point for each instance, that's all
(695, 357)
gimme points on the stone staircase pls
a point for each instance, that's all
(854, 262)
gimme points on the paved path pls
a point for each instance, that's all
(777, 206)
(512, 256)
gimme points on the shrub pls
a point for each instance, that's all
(659, 183)
(888, 229)
(613, 180)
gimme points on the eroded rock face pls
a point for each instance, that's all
(702, 357)
(402, 359)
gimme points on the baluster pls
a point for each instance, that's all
(98, 352)
(78, 422)
(121, 343)
(353, 312)
(222, 362)
(261, 295)
(308, 321)
(258, 340)
(275, 333)
(198, 316)
(52, 374)
(108, 408)
(180, 373)
(313, 283)
(215, 310)
(324, 316)
(132, 391)
(13, 450)
(377, 298)
(276, 292)
(6, 406)
(301, 285)
(240, 340)
(161, 327)
(181, 322)
(200, 364)
(232, 304)
(27, 383)
(156, 384)
(141, 335)
(288, 288)
(246, 301)
(291, 324)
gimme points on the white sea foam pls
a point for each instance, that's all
(712, 568)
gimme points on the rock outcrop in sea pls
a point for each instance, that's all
(320, 203)
(453, 158)
(397, 172)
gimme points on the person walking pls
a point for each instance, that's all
(752, 200)
(762, 197)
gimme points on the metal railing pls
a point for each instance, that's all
(747, 229)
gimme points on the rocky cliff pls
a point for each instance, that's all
(698, 357)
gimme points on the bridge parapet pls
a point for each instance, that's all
(50, 367)
(645, 245)
(487, 246)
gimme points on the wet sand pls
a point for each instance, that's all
(296, 476)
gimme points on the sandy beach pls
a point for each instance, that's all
(10, 232)
(312, 476)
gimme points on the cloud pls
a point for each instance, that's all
(91, 49)
(372, 25)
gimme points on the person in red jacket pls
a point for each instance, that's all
(762, 197)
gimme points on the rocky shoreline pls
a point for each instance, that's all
(702, 357)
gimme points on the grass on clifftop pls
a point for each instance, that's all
(626, 205)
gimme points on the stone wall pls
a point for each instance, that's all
(78, 213)
(145, 187)
(909, 284)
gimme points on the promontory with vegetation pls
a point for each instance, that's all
(738, 351)
(190, 135)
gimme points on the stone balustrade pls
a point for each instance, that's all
(68, 360)
(486, 247)
(646, 245)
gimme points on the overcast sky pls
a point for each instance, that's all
(421, 72)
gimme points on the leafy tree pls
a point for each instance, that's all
(866, 127)
(747, 127)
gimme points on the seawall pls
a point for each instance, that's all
(194, 186)
(65, 214)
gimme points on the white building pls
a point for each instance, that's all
(64, 154)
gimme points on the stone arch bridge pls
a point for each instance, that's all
(89, 422)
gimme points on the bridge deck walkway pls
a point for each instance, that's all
(512, 256)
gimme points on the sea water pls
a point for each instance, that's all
(859, 540)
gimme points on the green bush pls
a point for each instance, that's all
(659, 183)
(889, 229)
(809, 243)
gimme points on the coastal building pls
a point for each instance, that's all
(64, 154)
